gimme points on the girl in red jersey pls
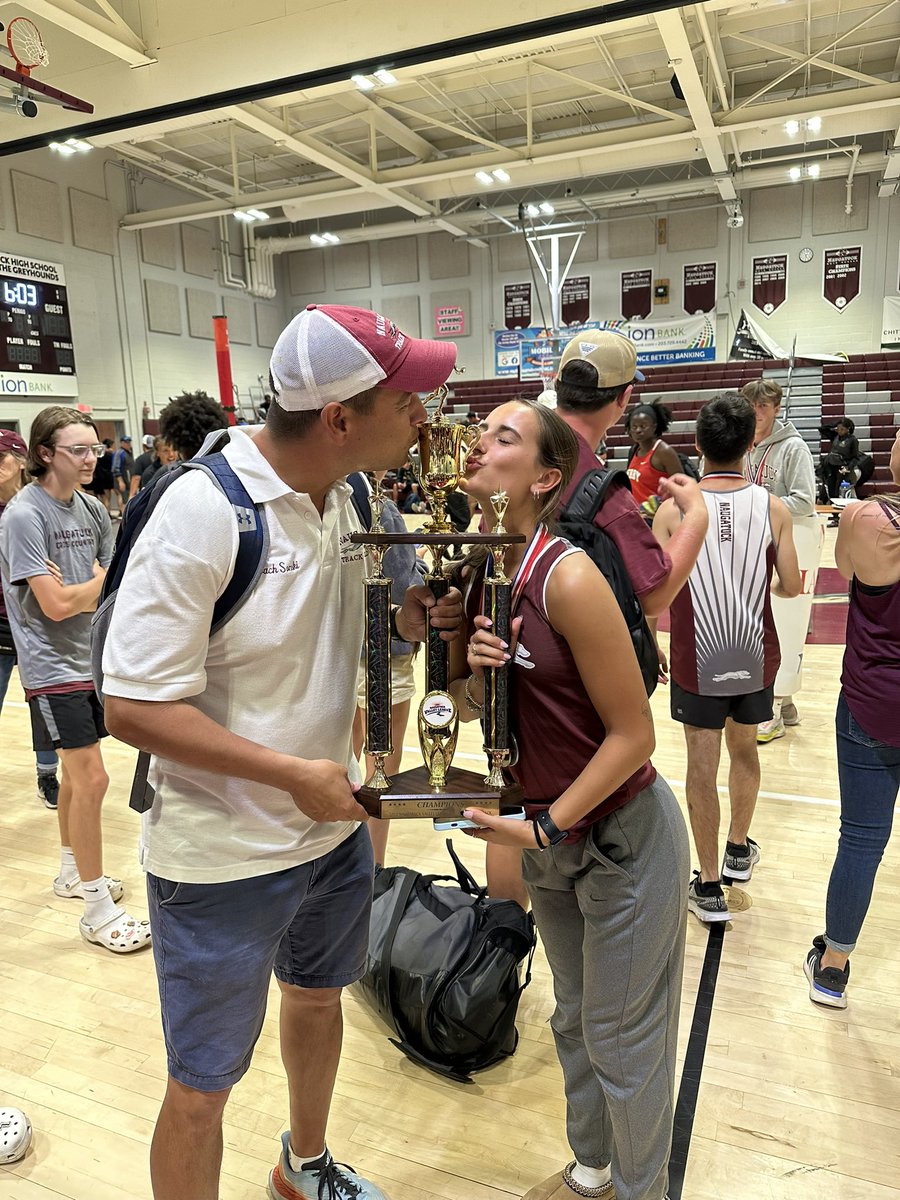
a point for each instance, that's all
(651, 459)
(604, 850)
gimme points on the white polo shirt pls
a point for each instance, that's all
(281, 672)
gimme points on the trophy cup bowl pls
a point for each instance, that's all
(444, 447)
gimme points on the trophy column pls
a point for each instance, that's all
(497, 606)
(378, 655)
(438, 658)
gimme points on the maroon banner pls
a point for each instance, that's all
(576, 300)
(517, 305)
(699, 288)
(637, 301)
(769, 282)
(840, 276)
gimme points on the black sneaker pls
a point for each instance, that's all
(48, 789)
(707, 900)
(739, 861)
(827, 985)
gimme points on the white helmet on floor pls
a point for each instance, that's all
(15, 1135)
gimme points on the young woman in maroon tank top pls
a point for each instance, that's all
(868, 732)
(604, 849)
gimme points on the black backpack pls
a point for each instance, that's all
(446, 967)
(576, 523)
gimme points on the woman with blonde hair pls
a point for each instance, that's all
(604, 847)
(868, 731)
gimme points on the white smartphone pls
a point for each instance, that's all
(442, 824)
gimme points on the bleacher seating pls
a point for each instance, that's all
(866, 388)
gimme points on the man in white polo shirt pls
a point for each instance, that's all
(254, 854)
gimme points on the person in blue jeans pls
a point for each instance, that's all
(868, 733)
(13, 453)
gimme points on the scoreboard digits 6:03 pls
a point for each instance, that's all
(36, 352)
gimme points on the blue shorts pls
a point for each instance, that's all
(216, 945)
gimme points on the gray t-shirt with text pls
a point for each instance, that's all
(73, 534)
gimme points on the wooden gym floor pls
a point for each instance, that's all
(796, 1102)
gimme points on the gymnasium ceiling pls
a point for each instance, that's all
(576, 106)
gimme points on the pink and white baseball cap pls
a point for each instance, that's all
(331, 352)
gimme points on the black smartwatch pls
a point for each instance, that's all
(550, 829)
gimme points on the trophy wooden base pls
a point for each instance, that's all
(411, 795)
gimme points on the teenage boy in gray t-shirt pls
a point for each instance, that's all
(55, 546)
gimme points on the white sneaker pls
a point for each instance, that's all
(768, 731)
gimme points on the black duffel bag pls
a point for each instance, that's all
(446, 968)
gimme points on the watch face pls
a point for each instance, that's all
(806, 255)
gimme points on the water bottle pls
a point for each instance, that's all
(845, 490)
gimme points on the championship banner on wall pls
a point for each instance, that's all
(769, 282)
(517, 305)
(576, 300)
(752, 342)
(890, 323)
(636, 294)
(840, 276)
(699, 287)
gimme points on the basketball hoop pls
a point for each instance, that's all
(25, 44)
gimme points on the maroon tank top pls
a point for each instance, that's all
(871, 672)
(556, 726)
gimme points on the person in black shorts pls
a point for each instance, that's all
(724, 649)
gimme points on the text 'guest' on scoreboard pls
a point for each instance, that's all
(36, 353)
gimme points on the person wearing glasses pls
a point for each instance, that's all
(55, 545)
(782, 463)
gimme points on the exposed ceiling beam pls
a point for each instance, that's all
(393, 128)
(785, 52)
(589, 86)
(115, 37)
(681, 57)
(887, 184)
(308, 148)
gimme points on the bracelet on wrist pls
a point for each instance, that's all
(549, 828)
(537, 836)
(471, 703)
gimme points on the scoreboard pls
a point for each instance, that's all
(37, 357)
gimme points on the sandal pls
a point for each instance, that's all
(15, 1135)
(74, 888)
(121, 933)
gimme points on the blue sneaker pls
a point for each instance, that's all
(323, 1179)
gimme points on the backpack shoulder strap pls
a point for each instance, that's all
(253, 536)
(361, 501)
(591, 492)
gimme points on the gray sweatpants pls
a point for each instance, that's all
(611, 912)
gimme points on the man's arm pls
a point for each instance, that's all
(790, 581)
(60, 601)
(799, 481)
(684, 544)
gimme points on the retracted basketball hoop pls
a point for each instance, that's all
(25, 44)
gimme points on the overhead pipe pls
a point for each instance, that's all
(229, 279)
(854, 159)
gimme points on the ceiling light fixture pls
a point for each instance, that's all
(792, 128)
(257, 214)
(63, 149)
(795, 173)
(317, 239)
(813, 170)
(363, 82)
(501, 175)
(532, 210)
(71, 145)
(383, 75)
(483, 177)
(547, 208)
(814, 124)
(331, 238)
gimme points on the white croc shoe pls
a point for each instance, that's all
(121, 933)
(74, 888)
(15, 1135)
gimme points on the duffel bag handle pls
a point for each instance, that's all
(467, 880)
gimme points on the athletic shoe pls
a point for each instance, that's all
(323, 1179)
(827, 985)
(789, 713)
(768, 731)
(562, 1186)
(48, 789)
(739, 861)
(707, 900)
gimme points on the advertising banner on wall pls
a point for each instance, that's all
(699, 287)
(576, 300)
(517, 305)
(769, 282)
(658, 343)
(752, 342)
(636, 294)
(840, 276)
(890, 323)
(449, 320)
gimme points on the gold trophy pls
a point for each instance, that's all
(436, 789)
